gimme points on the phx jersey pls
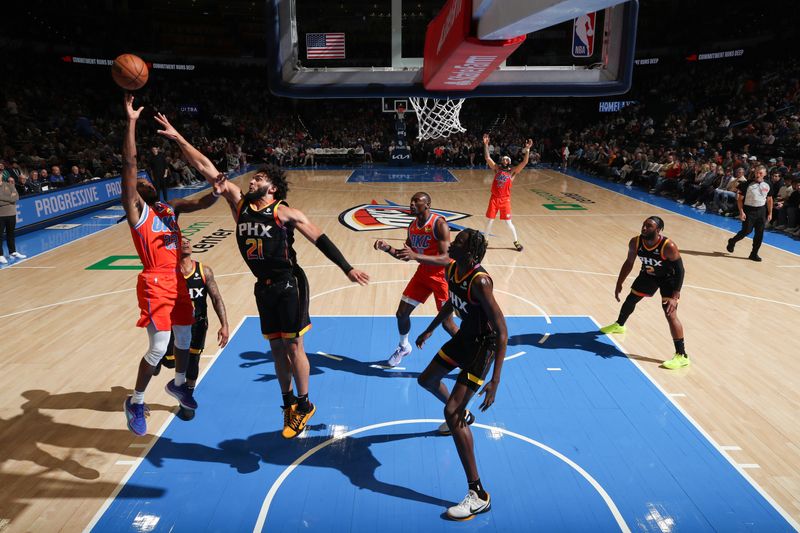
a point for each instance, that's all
(472, 348)
(424, 241)
(161, 289)
(653, 261)
(196, 282)
(501, 186)
(474, 322)
(265, 243)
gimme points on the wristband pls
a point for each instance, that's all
(215, 194)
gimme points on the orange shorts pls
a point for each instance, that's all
(423, 284)
(163, 300)
(499, 204)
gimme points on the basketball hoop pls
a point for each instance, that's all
(437, 118)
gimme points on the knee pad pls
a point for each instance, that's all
(183, 337)
(159, 340)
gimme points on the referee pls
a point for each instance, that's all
(755, 210)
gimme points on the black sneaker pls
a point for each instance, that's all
(518, 246)
(730, 246)
(754, 257)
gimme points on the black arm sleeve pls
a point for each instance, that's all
(330, 250)
(679, 273)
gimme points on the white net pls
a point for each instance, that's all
(437, 118)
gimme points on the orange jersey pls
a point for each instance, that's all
(501, 186)
(157, 238)
(424, 241)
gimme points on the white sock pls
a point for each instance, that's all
(180, 378)
(404, 340)
(138, 397)
(489, 227)
(513, 229)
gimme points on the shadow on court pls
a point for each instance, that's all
(714, 254)
(331, 362)
(585, 341)
(352, 456)
(18, 490)
(109, 401)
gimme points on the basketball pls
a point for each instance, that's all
(129, 72)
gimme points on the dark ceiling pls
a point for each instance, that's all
(236, 28)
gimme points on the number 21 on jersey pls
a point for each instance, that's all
(255, 248)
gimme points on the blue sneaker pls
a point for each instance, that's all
(182, 393)
(137, 414)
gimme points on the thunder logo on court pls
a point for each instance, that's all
(375, 216)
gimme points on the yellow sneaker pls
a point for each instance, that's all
(296, 422)
(613, 328)
(677, 361)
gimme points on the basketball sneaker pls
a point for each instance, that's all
(17, 255)
(296, 421)
(518, 246)
(444, 429)
(469, 507)
(182, 393)
(677, 361)
(613, 328)
(137, 414)
(3, 259)
(731, 246)
(398, 355)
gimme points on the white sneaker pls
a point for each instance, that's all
(469, 507)
(18, 255)
(444, 429)
(3, 260)
(398, 355)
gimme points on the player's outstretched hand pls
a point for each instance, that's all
(222, 336)
(485, 138)
(420, 342)
(528, 144)
(169, 130)
(220, 184)
(358, 276)
(382, 245)
(133, 114)
(488, 392)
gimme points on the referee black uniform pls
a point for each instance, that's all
(755, 204)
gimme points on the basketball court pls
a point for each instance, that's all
(588, 432)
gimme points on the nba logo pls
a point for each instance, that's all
(583, 36)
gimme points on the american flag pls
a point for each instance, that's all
(325, 46)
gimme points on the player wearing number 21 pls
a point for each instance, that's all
(265, 227)
(164, 301)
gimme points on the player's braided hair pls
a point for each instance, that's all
(276, 176)
(476, 245)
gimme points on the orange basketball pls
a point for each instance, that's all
(130, 72)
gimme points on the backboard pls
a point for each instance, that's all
(375, 48)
